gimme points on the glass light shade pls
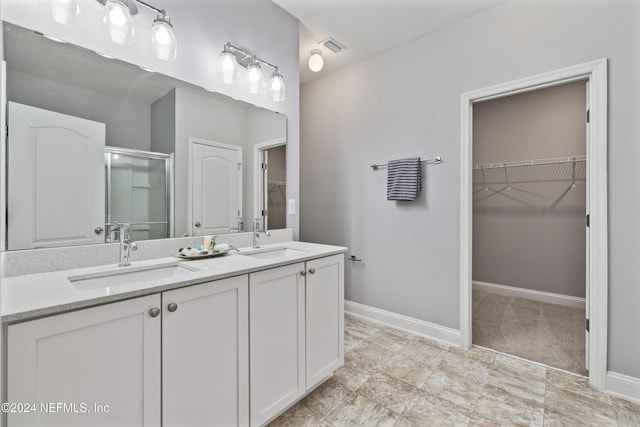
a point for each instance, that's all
(118, 21)
(227, 67)
(63, 11)
(316, 62)
(255, 80)
(277, 88)
(163, 41)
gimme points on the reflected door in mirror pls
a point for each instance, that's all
(216, 187)
(55, 179)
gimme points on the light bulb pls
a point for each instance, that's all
(63, 11)
(227, 67)
(277, 88)
(118, 21)
(163, 41)
(316, 62)
(255, 80)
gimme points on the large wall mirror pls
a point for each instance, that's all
(94, 141)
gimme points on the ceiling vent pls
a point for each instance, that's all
(332, 45)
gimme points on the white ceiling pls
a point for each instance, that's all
(368, 27)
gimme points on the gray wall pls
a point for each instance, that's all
(163, 124)
(405, 102)
(521, 237)
(127, 121)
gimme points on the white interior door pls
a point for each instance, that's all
(215, 198)
(55, 179)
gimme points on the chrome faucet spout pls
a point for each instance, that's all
(257, 231)
(126, 244)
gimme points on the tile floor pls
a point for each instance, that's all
(546, 333)
(395, 378)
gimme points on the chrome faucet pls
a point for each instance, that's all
(126, 244)
(257, 231)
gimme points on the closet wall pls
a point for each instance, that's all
(531, 236)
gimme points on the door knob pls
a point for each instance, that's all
(98, 230)
(172, 307)
(154, 312)
(312, 270)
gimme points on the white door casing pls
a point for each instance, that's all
(215, 186)
(259, 186)
(597, 243)
(49, 152)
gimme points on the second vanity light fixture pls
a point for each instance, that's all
(233, 57)
(118, 21)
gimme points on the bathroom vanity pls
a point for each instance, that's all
(228, 341)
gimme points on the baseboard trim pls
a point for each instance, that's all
(548, 297)
(624, 386)
(429, 330)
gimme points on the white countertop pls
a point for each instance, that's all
(34, 295)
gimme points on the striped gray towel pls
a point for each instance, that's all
(404, 179)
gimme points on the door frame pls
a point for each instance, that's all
(257, 171)
(597, 259)
(222, 145)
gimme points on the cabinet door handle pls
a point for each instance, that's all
(154, 312)
(172, 307)
(312, 270)
(303, 273)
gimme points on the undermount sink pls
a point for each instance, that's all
(119, 277)
(279, 252)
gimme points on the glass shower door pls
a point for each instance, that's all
(139, 192)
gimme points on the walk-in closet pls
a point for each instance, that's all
(529, 225)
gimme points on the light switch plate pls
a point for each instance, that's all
(291, 206)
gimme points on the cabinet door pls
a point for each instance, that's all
(276, 339)
(324, 317)
(205, 366)
(107, 356)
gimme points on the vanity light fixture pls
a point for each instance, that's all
(277, 89)
(63, 11)
(118, 21)
(316, 62)
(233, 58)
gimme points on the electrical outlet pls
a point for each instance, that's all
(291, 207)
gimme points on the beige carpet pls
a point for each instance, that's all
(546, 333)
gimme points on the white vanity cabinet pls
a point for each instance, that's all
(296, 335)
(179, 358)
(324, 318)
(107, 356)
(205, 354)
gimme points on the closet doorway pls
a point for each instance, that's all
(596, 277)
(529, 240)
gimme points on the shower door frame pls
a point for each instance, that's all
(597, 259)
(169, 163)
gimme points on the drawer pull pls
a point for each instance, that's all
(154, 312)
(312, 270)
(172, 307)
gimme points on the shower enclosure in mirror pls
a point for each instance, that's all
(139, 192)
